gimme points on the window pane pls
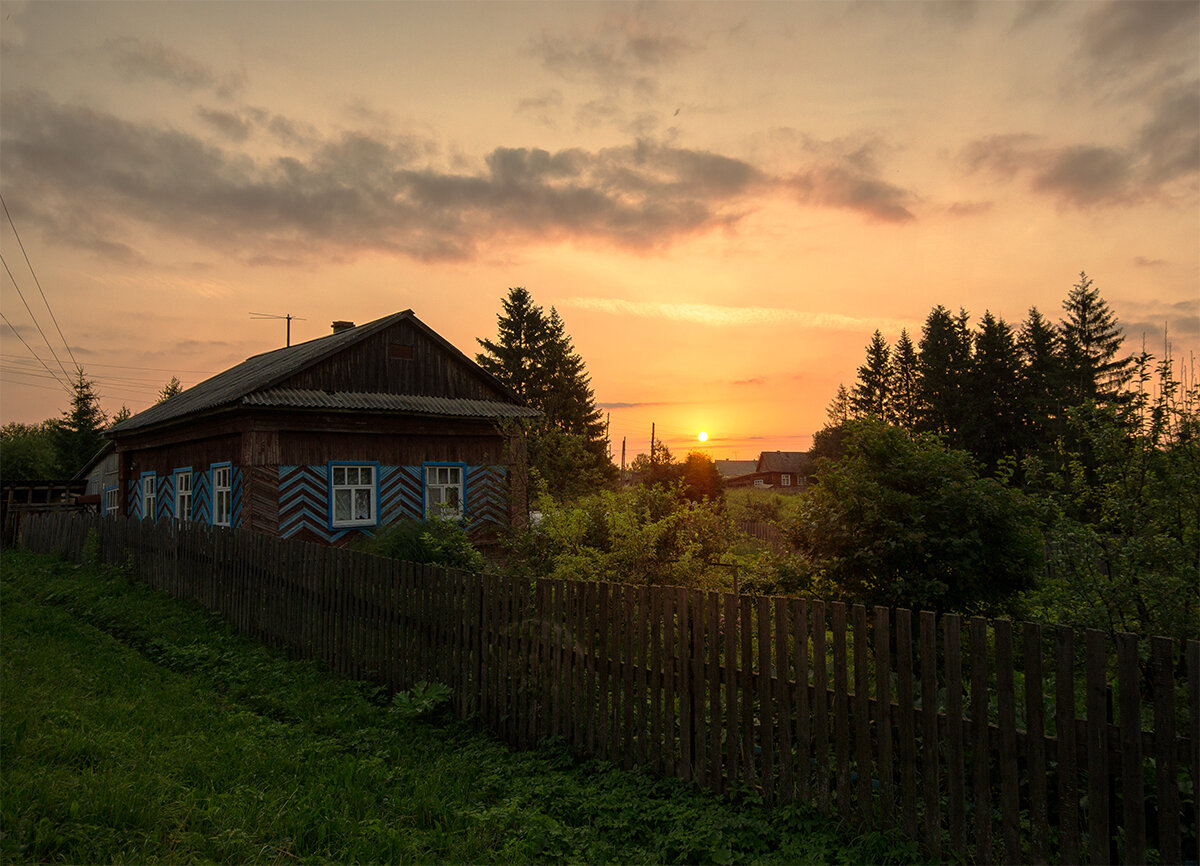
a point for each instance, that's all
(454, 473)
(362, 504)
(367, 475)
(452, 497)
(339, 475)
(341, 505)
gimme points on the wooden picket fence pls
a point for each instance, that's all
(988, 741)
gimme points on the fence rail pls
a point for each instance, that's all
(990, 741)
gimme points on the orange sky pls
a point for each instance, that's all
(723, 201)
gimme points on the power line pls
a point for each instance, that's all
(32, 316)
(37, 282)
(54, 375)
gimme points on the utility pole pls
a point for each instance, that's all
(651, 444)
(622, 459)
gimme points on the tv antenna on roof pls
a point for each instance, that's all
(289, 318)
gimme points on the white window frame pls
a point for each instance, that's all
(222, 494)
(353, 495)
(183, 494)
(149, 495)
(785, 480)
(112, 500)
(439, 479)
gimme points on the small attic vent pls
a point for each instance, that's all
(400, 352)
(340, 326)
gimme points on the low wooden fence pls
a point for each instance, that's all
(987, 741)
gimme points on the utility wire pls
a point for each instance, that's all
(32, 316)
(37, 282)
(35, 354)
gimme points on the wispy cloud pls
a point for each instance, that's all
(141, 60)
(1163, 153)
(714, 315)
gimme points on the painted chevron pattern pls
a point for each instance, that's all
(304, 498)
(201, 497)
(400, 493)
(486, 495)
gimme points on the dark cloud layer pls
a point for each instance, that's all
(142, 60)
(353, 192)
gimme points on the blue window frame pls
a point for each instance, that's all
(183, 493)
(353, 494)
(445, 489)
(222, 494)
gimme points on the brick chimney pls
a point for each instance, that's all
(338, 327)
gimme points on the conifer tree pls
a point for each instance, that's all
(170, 389)
(994, 421)
(869, 398)
(78, 434)
(1091, 339)
(942, 371)
(569, 402)
(1041, 379)
(515, 358)
(902, 383)
(838, 409)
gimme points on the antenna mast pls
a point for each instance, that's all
(289, 317)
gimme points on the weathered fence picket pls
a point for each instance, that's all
(990, 742)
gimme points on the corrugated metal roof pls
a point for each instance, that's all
(784, 461)
(300, 398)
(262, 372)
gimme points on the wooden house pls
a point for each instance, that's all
(782, 471)
(332, 438)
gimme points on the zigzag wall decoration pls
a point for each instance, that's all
(304, 498)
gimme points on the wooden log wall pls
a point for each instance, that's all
(986, 741)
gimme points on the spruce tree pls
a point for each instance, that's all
(170, 389)
(902, 383)
(568, 401)
(994, 421)
(1091, 339)
(838, 409)
(515, 358)
(78, 434)
(869, 398)
(942, 371)
(1041, 379)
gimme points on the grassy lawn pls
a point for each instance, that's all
(135, 728)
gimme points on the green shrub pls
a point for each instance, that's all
(434, 542)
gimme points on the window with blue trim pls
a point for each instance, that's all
(222, 494)
(149, 496)
(444, 491)
(183, 494)
(353, 495)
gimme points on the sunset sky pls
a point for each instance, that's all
(722, 200)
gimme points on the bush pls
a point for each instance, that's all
(434, 542)
(902, 520)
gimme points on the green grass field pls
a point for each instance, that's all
(135, 728)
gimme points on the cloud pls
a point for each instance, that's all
(142, 60)
(626, 48)
(543, 108)
(714, 315)
(1161, 159)
(1130, 43)
(757, 380)
(360, 192)
(1144, 262)
(231, 125)
(843, 187)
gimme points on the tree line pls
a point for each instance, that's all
(1035, 471)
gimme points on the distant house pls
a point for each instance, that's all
(330, 439)
(783, 471)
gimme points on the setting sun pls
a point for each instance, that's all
(703, 437)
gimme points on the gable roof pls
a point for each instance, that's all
(735, 468)
(251, 382)
(784, 461)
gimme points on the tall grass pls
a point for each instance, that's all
(136, 728)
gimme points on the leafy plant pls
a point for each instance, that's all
(422, 699)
